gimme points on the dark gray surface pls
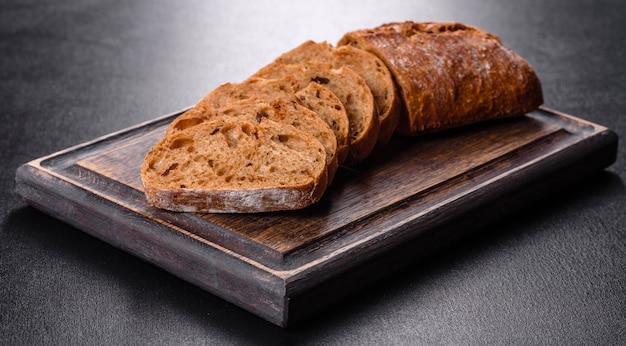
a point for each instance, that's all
(71, 71)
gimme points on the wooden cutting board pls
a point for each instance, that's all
(409, 199)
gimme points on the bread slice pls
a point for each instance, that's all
(373, 71)
(350, 88)
(450, 74)
(328, 107)
(313, 96)
(254, 110)
(229, 165)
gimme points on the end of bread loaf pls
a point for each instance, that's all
(450, 74)
(229, 165)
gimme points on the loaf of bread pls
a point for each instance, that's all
(274, 141)
(350, 88)
(235, 166)
(373, 71)
(450, 74)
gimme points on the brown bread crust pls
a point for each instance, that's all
(450, 74)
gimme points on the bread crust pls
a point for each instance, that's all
(373, 71)
(450, 74)
(259, 200)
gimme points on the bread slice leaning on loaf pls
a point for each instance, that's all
(373, 71)
(228, 165)
(450, 74)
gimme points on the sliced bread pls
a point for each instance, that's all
(232, 165)
(373, 71)
(350, 88)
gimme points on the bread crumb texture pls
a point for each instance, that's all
(236, 161)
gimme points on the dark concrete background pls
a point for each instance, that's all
(71, 71)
